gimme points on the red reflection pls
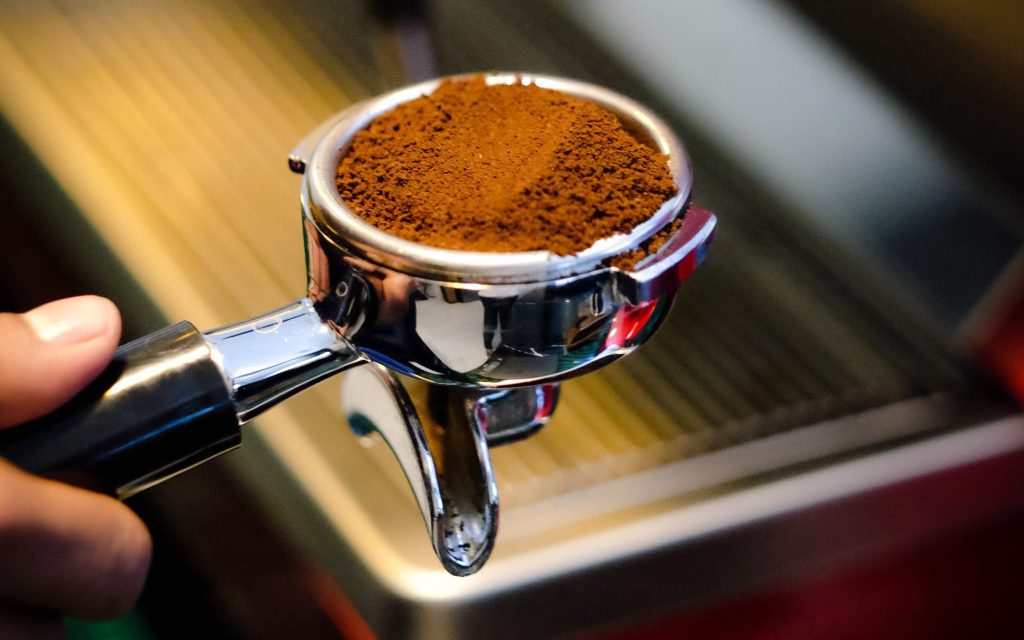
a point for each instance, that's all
(629, 321)
(1004, 350)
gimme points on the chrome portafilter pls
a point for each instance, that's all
(488, 336)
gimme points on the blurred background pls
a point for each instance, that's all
(824, 441)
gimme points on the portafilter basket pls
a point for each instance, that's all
(492, 334)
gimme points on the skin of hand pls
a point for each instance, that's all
(63, 551)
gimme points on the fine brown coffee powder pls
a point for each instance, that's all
(502, 168)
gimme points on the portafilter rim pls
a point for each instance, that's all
(329, 212)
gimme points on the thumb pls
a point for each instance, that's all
(52, 352)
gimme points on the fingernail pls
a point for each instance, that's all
(70, 321)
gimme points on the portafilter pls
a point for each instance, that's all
(491, 334)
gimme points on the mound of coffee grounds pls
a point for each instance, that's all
(502, 168)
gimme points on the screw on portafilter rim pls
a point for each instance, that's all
(343, 227)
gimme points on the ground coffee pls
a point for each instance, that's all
(502, 168)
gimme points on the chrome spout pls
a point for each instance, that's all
(444, 451)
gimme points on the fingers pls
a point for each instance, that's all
(24, 625)
(50, 353)
(64, 550)
(68, 550)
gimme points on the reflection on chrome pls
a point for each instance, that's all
(481, 325)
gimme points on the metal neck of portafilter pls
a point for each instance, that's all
(271, 357)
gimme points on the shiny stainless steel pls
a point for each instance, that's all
(447, 463)
(508, 415)
(481, 322)
(274, 356)
(448, 468)
(503, 335)
(491, 319)
(497, 329)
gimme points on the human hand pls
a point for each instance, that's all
(63, 550)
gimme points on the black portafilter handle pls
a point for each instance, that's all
(160, 407)
(177, 397)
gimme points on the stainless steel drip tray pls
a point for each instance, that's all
(665, 538)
